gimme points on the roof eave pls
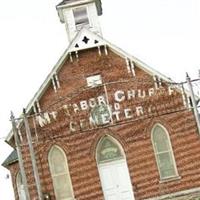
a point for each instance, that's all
(8, 164)
(12, 158)
(73, 3)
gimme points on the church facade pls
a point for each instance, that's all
(104, 125)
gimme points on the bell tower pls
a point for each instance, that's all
(76, 14)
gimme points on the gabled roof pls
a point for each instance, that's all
(81, 46)
(12, 158)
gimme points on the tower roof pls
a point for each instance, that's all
(68, 2)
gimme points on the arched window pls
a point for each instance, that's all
(108, 150)
(20, 187)
(60, 174)
(163, 152)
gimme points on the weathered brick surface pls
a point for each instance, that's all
(135, 137)
(14, 169)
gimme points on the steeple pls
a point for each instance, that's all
(77, 14)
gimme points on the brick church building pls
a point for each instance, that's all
(104, 125)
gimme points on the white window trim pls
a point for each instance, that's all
(176, 176)
(91, 84)
(67, 173)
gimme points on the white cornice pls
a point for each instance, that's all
(74, 3)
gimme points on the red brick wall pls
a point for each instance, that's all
(135, 137)
(14, 169)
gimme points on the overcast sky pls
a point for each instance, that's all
(165, 34)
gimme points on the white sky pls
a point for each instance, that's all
(165, 34)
